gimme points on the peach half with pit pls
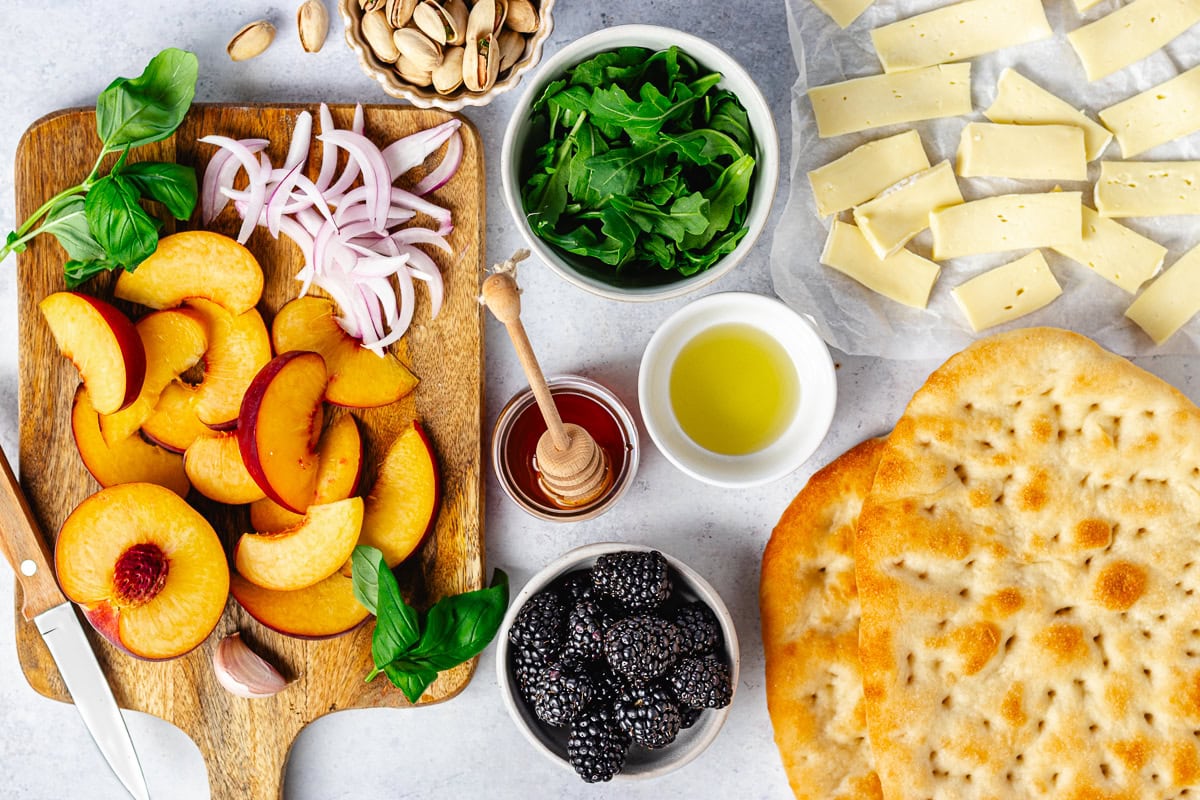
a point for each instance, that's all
(300, 556)
(131, 460)
(325, 609)
(402, 506)
(195, 264)
(147, 569)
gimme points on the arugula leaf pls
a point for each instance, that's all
(121, 226)
(68, 222)
(173, 185)
(730, 191)
(136, 111)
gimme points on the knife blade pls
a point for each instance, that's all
(26, 551)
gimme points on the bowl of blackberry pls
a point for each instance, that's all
(618, 661)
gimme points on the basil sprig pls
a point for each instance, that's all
(411, 651)
(101, 222)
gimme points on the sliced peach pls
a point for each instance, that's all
(148, 570)
(339, 465)
(130, 460)
(238, 348)
(174, 424)
(195, 264)
(174, 340)
(357, 377)
(305, 554)
(103, 345)
(214, 465)
(325, 609)
(402, 506)
(279, 426)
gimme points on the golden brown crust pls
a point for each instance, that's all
(809, 610)
(1029, 574)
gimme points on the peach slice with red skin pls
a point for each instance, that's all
(357, 377)
(130, 460)
(402, 506)
(325, 609)
(300, 556)
(238, 348)
(280, 424)
(102, 344)
(339, 466)
(195, 264)
(148, 570)
(174, 425)
(214, 465)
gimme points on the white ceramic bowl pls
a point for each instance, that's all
(814, 367)
(736, 80)
(641, 763)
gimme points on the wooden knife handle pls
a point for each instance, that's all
(25, 547)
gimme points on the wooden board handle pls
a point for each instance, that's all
(25, 547)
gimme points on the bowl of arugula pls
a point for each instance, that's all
(637, 172)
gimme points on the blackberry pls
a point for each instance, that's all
(649, 715)
(607, 685)
(688, 716)
(585, 632)
(526, 664)
(701, 683)
(597, 745)
(699, 631)
(538, 626)
(576, 587)
(637, 581)
(641, 648)
(560, 694)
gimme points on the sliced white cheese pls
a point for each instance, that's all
(843, 12)
(866, 171)
(959, 32)
(1007, 222)
(1171, 300)
(1156, 116)
(1005, 293)
(1021, 101)
(1116, 253)
(1131, 33)
(904, 277)
(1148, 188)
(1033, 152)
(862, 103)
(902, 211)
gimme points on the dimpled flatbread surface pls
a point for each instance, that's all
(810, 634)
(1028, 563)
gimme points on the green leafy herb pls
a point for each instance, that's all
(410, 651)
(640, 165)
(101, 222)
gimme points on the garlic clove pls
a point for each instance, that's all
(243, 672)
(312, 20)
(251, 40)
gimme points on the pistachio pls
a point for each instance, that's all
(399, 12)
(512, 47)
(481, 62)
(371, 5)
(251, 40)
(411, 73)
(443, 22)
(313, 22)
(378, 34)
(449, 74)
(522, 17)
(422, 53)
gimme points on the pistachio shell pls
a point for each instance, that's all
(481, 62)
(378, 34)
(422, 53)
(522, 17)
(458, 11)
(512, 47)
(399, 12)
(251, 40)
(449, 74)
(312, 20)
(444, 23)
(410, 73)
(371, 5)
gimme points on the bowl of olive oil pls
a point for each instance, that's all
(736, 389)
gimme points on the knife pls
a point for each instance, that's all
(45, 605)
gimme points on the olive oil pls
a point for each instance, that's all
(734, 389)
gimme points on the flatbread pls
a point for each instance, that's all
(1028, 563)
(810, 634)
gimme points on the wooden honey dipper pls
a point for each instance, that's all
(572, 468)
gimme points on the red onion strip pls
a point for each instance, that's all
(445, 170)
(404, 154)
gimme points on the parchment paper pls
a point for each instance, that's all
(858, 321)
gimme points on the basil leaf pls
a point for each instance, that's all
(119, 224)
(13, 244)
(364, 571)
(459, 627)
(78, 272)
(68, 222)
(148, 108)
(396, 627)
(173, 185)
(412, 684)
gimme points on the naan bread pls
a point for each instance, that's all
(810, 634)
(1028, 566)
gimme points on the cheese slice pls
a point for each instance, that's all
(958, 32)
(1034, 152)
(902, 211)
(1156, 116)
(904, 277)
(866, 171)
(1021, 101)
(1007, 222)
(843, 12)
(1005, 293)
(1148, 188)
(1117, 254)
(1131, 33)
(1171, 300)
(862, 103)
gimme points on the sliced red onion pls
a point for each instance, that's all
(445, 170)
(404, 154)
(328, 151)
(301, 141)
(278, 199)
(422, 236)
(426, 269)
(377, 180)
(245, 157)
(220, 173)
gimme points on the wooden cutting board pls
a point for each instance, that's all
(245, 743)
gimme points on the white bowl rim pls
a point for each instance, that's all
(815, 412)
(765, 133)
(564, 563)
